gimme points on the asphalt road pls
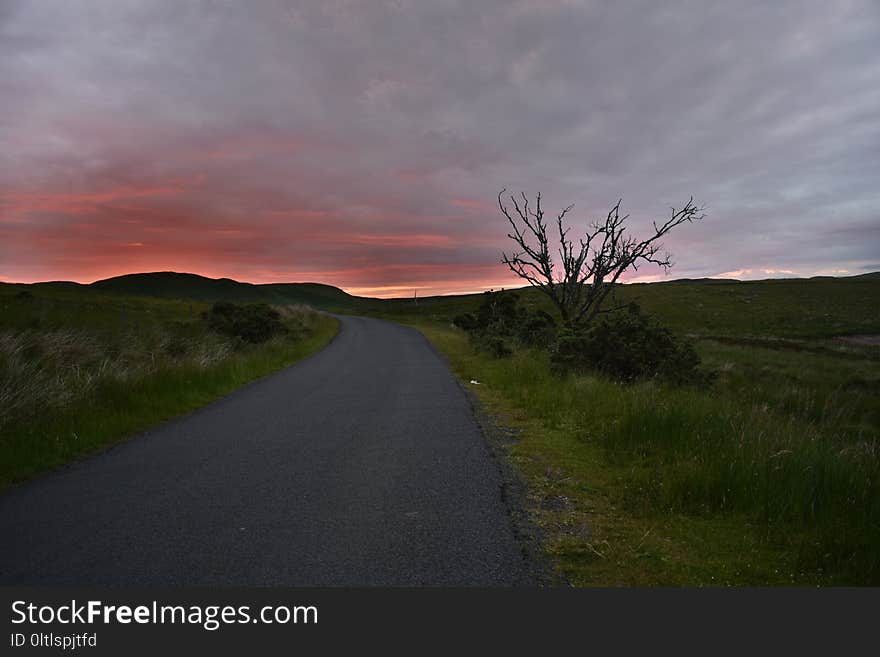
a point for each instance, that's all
(362, 465)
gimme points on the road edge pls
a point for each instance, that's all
(513, 488)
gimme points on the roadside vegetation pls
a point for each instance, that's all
(691, 432)
(763, 468)
(718, 432)
(80, 369)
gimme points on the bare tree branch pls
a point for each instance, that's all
(591, 268)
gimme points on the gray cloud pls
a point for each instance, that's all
(363, 143)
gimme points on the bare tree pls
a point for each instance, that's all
(590, 268)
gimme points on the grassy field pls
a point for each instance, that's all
(81, 368)
(775, 309)
(770, 475)
(790, 309)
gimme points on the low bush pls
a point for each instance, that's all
(501, 322)
(253, 323)
(627, 347)
(493, 345)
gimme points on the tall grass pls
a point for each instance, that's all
(722, 452)
(68, 387)
(50, 370)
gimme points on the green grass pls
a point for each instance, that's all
(834, 387)
(779, 308)
(80, 369)
(770, 475)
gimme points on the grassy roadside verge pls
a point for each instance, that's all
(106, 386)
(654, 486)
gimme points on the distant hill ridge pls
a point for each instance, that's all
(177, 285)
(169, 284)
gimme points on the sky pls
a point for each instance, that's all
(363, 144)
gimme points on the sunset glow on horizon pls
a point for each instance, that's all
(363, 146)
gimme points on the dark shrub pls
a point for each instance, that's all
(627, 346)
(499, 314)
(466, 322)
(500, 321)
(536, 329)
(494, 346)
(255, 322)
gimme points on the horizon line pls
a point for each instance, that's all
(785, 276)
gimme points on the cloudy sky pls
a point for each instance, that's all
(362, 144)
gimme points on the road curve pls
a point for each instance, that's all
(361, 465)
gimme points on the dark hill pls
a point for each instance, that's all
(192, 286)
